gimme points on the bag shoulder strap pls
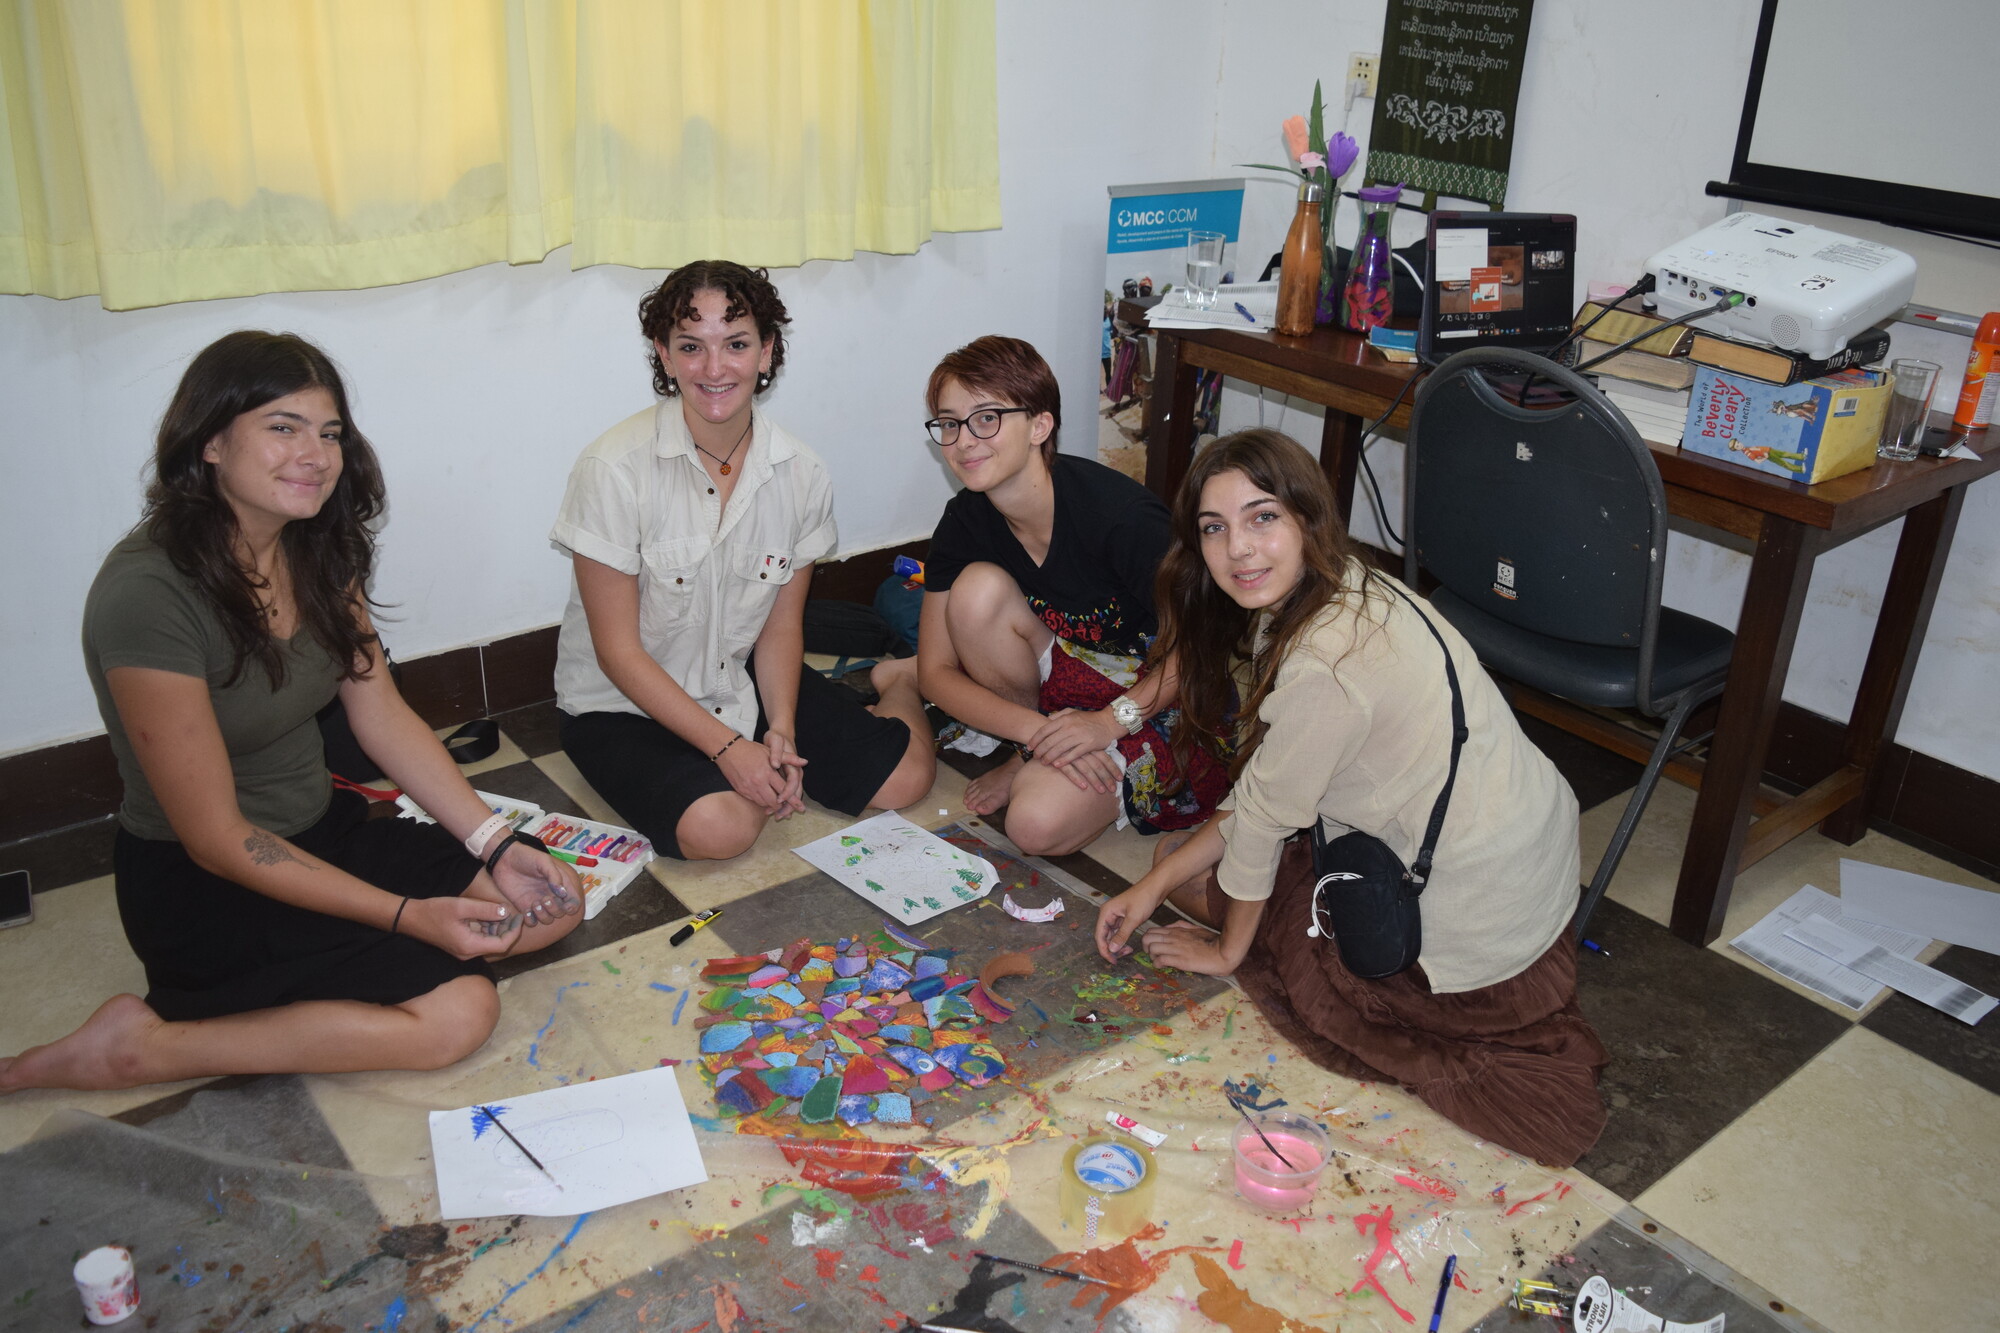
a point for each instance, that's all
(1420, 869)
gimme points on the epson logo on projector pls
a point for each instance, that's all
(1154, 217)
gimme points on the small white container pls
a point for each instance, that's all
(107, 1284)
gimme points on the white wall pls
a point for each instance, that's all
(479, 388)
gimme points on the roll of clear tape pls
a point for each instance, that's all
(1106, 1188)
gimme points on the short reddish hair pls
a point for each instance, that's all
(1008, 369)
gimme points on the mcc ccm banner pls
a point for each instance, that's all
(1444, 110)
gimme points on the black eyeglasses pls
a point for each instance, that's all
(984, 424)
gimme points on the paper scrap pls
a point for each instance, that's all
(1915, 980)
(1048, 911)
(1954, 913)
(605, 1142)
(908, 872)
(1766, 943)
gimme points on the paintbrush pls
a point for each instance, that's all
(492, 1115)
(1040, 1268)
(1248, 1121)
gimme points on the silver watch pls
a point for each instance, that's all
(1128, 714)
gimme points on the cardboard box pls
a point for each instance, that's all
(1807, 432)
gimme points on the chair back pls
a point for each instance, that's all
(1551, 519)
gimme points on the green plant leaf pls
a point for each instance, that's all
(1316, 123)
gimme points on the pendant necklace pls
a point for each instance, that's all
(724, 459)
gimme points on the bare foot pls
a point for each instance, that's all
(103, 1053)
(989, 791)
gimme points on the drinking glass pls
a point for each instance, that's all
(1909, 409)
(1204, 266)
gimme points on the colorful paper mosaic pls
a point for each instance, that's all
(844, 1032)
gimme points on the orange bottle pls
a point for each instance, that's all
(1982, 377)
(1298, 273)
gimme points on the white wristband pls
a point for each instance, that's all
(476, 844)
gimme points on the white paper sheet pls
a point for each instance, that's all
(1933, 987)
(1953, 913)
(1259, 298)
(908, 872)
(606, 1142)
(1766, 943)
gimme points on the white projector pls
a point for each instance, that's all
(1806, 289)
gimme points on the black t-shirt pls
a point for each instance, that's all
(1095, 587)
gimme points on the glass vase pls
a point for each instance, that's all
(1369, 297)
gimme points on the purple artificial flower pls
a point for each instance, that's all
(1340, 154)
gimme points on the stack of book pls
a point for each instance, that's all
(1651, 380)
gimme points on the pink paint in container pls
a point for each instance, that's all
(1282, 1181)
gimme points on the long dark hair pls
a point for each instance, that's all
(1202, 628)
(329, 555)
(745, 291)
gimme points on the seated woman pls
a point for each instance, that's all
(1352, 729)
(1038, 608)
(692, 528)
(282, 930)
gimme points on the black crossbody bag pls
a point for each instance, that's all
(1363, 895)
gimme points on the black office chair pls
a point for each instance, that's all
(1546, 529)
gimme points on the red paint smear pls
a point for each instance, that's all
(827, 1263)
(1383, 1224)
(1429, 1185)
(1560, 1188)
(793, 1285)
(871, 1274)
(1236, 1255)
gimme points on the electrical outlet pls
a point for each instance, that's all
(1361, 69)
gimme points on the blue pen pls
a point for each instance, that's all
(1444, 1290)
(1241, 310)
(1595, 947)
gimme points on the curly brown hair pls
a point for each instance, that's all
(1203, 629)
(330, 555)
(745, 291)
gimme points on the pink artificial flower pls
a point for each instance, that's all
(1340, 154)
(1307, 161)
(1295, 136)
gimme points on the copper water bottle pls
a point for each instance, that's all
(1298, 275)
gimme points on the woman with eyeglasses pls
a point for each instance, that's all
(692, 528)
(1038, 610)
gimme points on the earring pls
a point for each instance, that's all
(763, 380)
(673, 387)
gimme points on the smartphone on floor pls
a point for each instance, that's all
(17, 903)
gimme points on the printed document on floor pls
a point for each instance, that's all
(1954, 913)
(1766, 943)
(1927, 984)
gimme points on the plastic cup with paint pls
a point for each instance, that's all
(1282, 1181)
(105, 1280)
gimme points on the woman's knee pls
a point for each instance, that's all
(983, 597)
(718, 827)
(911, 780)
(454, 1021)
(1044, 823)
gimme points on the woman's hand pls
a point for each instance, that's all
(790, 768)
(1096, 772)
(751, 774)
(1189, 948)
(463, 927)
(1071, 733)
(1119, 917)
(540, 887)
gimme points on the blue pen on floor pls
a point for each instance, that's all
(1595, 947)
(1444, 1290)
(1244, 311)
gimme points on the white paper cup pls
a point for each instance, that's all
(105, 1280)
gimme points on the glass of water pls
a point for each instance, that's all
(1909, 408)
(1204, 266)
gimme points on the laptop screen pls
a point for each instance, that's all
(1498, 280)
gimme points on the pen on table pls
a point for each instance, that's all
(1444, 1290)
(494, 1116)
(1595, 947)
(682, 935)
(572, 857)
(1040, 1268)
(1244, 311)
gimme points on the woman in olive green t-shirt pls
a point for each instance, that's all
(281, 929)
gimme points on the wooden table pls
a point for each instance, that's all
(1786, 523)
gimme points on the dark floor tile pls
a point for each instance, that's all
(66, 856)
(534, 728)
(1973, 1053)
(1594, 773)
(255, 1115)
(1695, 1038)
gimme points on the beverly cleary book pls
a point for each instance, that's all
(1806, 432)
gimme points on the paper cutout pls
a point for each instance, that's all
(1038, 915)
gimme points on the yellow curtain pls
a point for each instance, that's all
(171, 150)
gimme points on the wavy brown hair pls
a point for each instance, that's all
(330, 555)
(745, 291)
(1205, 632)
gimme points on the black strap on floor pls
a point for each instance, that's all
(476, 740)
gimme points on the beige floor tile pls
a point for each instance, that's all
(1860, 1191)
(57, 969)
(506, 756)
(1126, 852)
(1646, 877)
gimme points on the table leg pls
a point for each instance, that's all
(1339, 457)
(1768, 625)
(1170, 435)
(1892, 653)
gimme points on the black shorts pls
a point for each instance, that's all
(650, 776)
(212, 947)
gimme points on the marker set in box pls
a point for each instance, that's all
(619, 853)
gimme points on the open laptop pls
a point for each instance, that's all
(1498, 280)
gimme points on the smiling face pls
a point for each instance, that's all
(984, 465)
(715, 361)
(1254, 548)
(278, 462)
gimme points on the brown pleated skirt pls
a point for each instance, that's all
(1515, 1062)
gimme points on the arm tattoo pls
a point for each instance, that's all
(266, 849)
